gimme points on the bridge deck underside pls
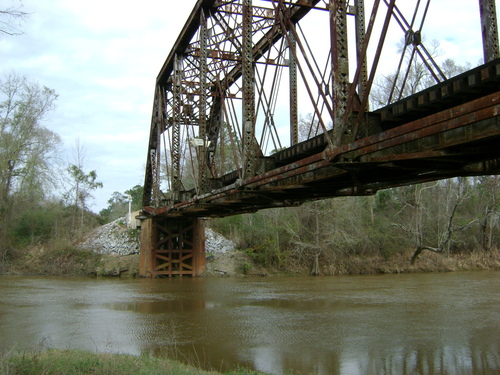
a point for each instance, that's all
(450, 130)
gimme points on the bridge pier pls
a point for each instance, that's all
(172, 247)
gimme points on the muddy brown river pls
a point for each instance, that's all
(442, 323)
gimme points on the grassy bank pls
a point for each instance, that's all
(339, 265)
(65, 259)
(51, 258)
(71, 362)
(401, 263)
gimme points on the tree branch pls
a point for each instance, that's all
(421, 248)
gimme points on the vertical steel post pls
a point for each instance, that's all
(202, 118)
(157, 178)
(152, 178)
(155, 152)
(176, 129)
(489, 28)
(360, 39)
(294, 115)
(248, 91)
(340, 66)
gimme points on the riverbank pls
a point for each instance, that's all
(67, 260)
(401, 263)
(74, 362)
(236, 263)
(119, 248)
(112, 250)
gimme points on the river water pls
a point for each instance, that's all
(440, 323)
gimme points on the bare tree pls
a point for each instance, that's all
(429, 214)
(488, 204)
(80, 184)
(417, 77)
(11, 19)
(28, 150)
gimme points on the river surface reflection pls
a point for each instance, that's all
(447, 323)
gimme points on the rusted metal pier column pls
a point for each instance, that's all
(172, 247)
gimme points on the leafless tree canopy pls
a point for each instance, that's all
(12, 19)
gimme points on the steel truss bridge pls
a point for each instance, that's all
(271, 103)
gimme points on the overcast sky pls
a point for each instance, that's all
(102, 58)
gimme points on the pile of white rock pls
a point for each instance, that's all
(216, 243)
(112, 238)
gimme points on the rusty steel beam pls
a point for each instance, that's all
(480, 109)
(383, 34)
(176, 128)
(248, 91)
(147, 197)
(299, 10)
(156, 157)
(222, 77)
(202, 118)
(340, 66)
(331, 169)
(184, 39)
(361, 74)
(152, 175)
(362, 64)
(294, 109)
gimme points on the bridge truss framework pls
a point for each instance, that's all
(226, 134)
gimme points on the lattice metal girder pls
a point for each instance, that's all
(259, 12)
(340, 66)
(228, 56)
(359, 8)
(202, 118)
(191, 27)
(460, 140)
(221, 50)
(294, 111)
(248, 133)
(175, 150)
(188, 32)
(223, 62)
(151, 178)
